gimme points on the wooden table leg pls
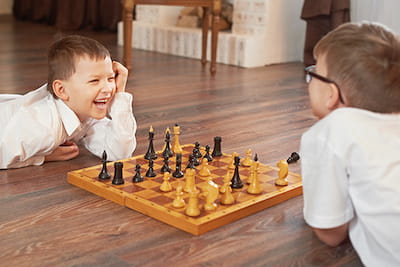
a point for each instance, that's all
(214, 37)
(127, 6)
(206, 25)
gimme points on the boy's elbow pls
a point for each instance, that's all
(334, 236)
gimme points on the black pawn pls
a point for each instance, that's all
(178, 173)
(104, 175)
(118, 179)
(137, 178)
(236, 181)
(217, 147)
(191, 162)
(197, 153)
(150, 172)
(150, 154)
(167, 151)
(293, 158)
(208, 155)
(196, 161)
(166, 167)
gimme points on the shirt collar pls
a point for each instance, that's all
(68, 117)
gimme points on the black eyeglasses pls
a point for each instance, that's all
(310, 73)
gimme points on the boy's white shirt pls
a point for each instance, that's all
(34, 124)
(351, 172)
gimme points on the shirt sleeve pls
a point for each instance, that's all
(116, 134)
(24, 144)
(325, 184)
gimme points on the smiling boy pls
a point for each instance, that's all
(84, 102)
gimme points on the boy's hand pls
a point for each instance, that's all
(66, 151)
(121, 76)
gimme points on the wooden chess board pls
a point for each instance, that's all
(147, 198)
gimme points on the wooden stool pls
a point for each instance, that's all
(213, 5)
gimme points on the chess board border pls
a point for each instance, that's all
(193, 225)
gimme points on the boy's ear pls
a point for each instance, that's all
(334, 99)
(59, 90)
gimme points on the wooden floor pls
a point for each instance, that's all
(44, 221)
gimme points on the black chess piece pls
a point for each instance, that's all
(217, 147)
(150, 172)
(191, 162)
(208, 155)
(150, 154)
(256, 157)
(178, 173)
(294, 157)
(118, 179)
(166, 167)
(104, 174)
(137, 178)
(167, 151)
(196, 161)
(236, 181)
(197, 153)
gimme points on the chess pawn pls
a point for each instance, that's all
(190, 184)
(204, 171)
(166, 185)
(232, 162)
(247, 161)
(283, 172)
(150, 172)
(227, 197)
(211, 193)
(197, 152)
(192, 208)
(254, 187)
(176, 148)
(137, 178)
(178, 202)
(226, 191)
(208, 155)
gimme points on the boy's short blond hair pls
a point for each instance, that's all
(364, 60)
(63, 55)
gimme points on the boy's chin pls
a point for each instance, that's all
(99, 116)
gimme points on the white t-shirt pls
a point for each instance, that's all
(34, 124)
(351, 172)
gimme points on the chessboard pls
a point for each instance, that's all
(147, 198)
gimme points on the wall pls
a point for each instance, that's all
(5, 6)
(382, 11)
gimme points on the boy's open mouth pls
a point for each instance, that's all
(101, 103)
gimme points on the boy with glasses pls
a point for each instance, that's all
(350, 157)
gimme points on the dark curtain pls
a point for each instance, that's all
(321, 17)
(71, 14)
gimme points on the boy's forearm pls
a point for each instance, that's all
(333, 236)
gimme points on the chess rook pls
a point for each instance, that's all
(118, 179)
(217, 152)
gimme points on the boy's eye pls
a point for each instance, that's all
(94, 81)
(110, 79)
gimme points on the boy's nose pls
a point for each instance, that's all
(108, 87)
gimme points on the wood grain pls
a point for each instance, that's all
(44, 221)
